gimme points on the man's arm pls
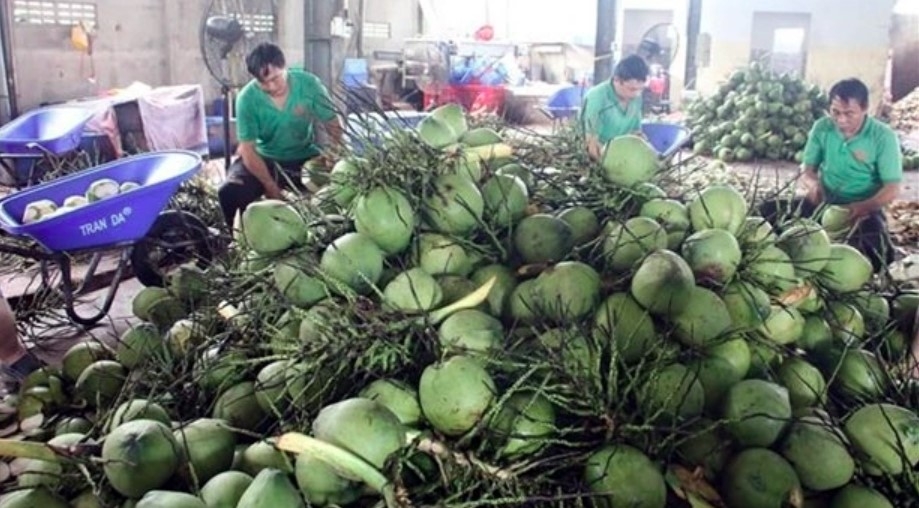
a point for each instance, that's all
(813, 158)
(879, 201)
(590, 124)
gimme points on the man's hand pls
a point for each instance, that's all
(812, 186)
(273, 191)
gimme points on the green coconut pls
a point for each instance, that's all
(342, 181)
(207, 446)
(663, 283)
(184, 336)
(672, 215)
(722, 366)
(805, 383)
(101, 382)
(523, 425)
(413, 290)
(522, 304)
(165, 312)
(621, 475)
(521, 172)
(321, 485)
(137, 344)
(271, 226)
(453, 116)
(471, 331)
(436, 133)
(439, 255)
(454, 205)
(772, 269)
(629, 327)
(859, 496)
(759, 478)
(480, 136)
(362, 426)
(847, 323)
(262, 455)
(225, 489)
(817, 334)
(169, 499)
(400, 398)
(718, 207)
(706, 447)
(239, 406)
(756, 232)
(455, 394)
(835, 220)
(785, 325)
(567, 291)
(189, 283)
(808, 246)
(757, 412)
(386, 216)
(860, 375)
(703, 320)
(627, 243)
(672, 393)
(847, 270)
(300, 289)
(56, 473)
(629, 160)
(455, 288)
(713, 255)
(585, 225)
(73, 425)
(818, 454)
(140, 456)
(139, 409)
(271, 387)
(271, 488)
(875, 309)
(506, 199)
(747, 304)
(80, 356)
(885, 438)
(542, 238)
(505, 282)
(30, 498)
(354, 260)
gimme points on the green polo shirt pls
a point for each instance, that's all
(855, 169)
(603, 116)
(284, 134)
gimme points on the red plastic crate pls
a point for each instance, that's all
(476, 99)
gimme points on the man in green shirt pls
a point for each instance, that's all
(852, 160)
(275, 114)
(613, 108)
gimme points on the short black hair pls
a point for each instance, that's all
(850, 89)
(631, 67)
(264, 55)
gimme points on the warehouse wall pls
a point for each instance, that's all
(151, 41)
(846, 38)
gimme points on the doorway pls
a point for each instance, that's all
(780, 41)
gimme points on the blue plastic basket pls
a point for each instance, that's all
(57, 129)
(122, 218)
(666, 138)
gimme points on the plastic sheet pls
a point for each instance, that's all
(174, 118)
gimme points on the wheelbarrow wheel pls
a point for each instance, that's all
(176, 237)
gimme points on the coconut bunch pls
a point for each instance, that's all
(756, 114)
(451, 324)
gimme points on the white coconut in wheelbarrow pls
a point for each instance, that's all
(38, 210)
(75, 201)
(127, 186)
(102, 189)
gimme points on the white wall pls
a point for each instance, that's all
(846, 38)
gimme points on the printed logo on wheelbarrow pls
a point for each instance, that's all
(99, 225)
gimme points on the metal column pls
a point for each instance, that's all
(9, 107)
(606, 36)
(318, 44)
(693, 26)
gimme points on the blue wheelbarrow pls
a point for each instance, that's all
(132, 220)
(32, 143)
(666, 138)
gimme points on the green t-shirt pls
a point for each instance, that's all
(284, 134)
(855, 169)
(603, 116)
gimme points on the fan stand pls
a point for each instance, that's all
(225, 90)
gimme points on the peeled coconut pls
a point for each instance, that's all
(506, 199)
(386, 217)
(102, 189)
(75, 201)
(627, 243)
(37, 210)
(364, 427)
(567, 291)
(713, 255)
(455, 394)
(271, 226)
(396, 396)
(140, 456)
(413, 290)
(663, 283)
(718, 207)
(629, 160)
(353, 260)
(454, 206)
(128, 186)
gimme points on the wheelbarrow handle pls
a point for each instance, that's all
(38, 146)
